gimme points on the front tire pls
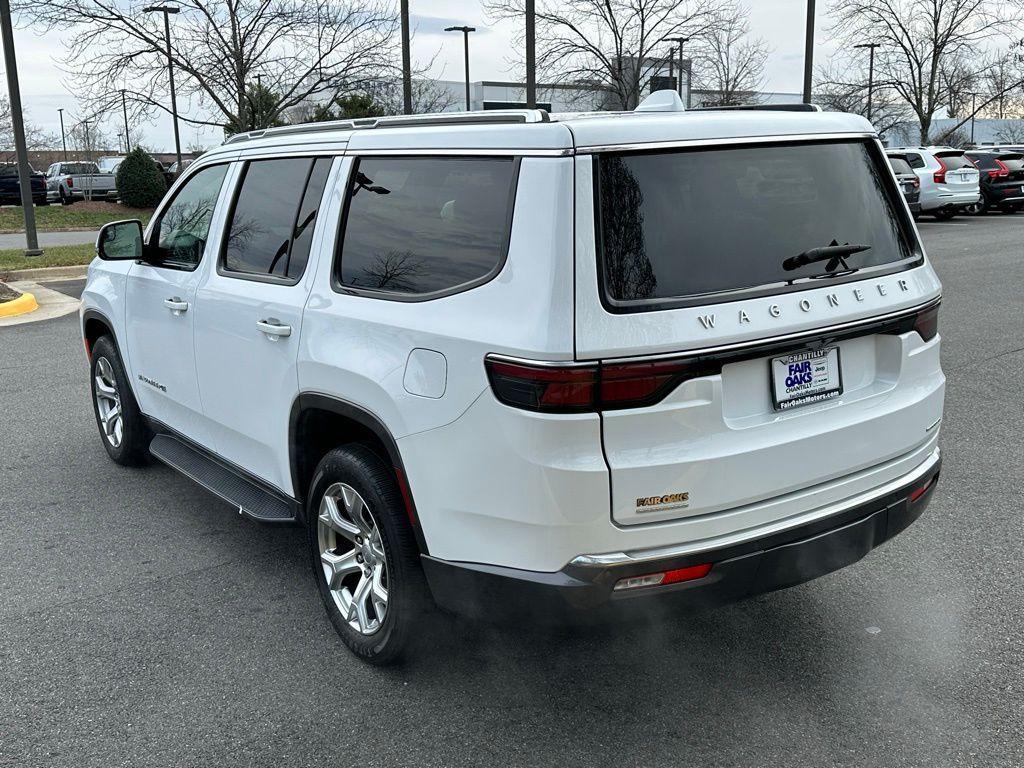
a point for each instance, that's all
(364, 555)
(122, 428)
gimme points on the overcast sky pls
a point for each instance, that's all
(780, 22)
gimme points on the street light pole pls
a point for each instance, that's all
(14, 93)
(406, 61)
(465, 36)
(531, 55)
(974, 109)
(166, 10)
(871, 71)
(681, 41)
(809, 52)
(124, 109)
(63, 140)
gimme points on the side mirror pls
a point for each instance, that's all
(120, 240)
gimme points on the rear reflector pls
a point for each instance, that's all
(690, 573)
(919, 492)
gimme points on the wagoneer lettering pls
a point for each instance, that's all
(477, 376)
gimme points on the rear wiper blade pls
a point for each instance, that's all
(834, 253)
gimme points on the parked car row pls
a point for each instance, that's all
(79, 180)
(10, 189)
(944, 181)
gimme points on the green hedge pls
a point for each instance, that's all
(140, 183)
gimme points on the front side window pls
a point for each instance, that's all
(684, 224)
(425, 226)
(271, 225)
(184, 225)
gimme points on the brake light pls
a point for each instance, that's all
(554, 389)
(940, 175)
(630, 385)
(70, 182)
(591, 387)
(927, 323)
(1002, 172)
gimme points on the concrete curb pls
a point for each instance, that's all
(49, 273)
(51, 304)
(20, 306)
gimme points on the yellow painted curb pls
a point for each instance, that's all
(20, 306)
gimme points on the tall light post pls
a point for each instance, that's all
(809, 52)
(17, 123)
(680, 41)
(465, 36)
(124, 109)
(406, 60)
(166, 10)
(871, 71)
(974, 110)
(63, 139)
(531, 55)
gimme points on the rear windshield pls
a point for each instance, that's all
(899, 165)
(1012, 162)
(78, 168)
(678, 225)
(954, 160)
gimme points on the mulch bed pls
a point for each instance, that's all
(7, 293)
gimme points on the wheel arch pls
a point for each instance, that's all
(319, 423)
(94, 325)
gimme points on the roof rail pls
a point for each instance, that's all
(492, 116)
(792, 107)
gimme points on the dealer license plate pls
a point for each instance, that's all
(806, 377)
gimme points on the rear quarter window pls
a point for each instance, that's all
(692, 226)
(423, 227)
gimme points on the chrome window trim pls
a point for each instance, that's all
(724, 141)
(725, 540)
(461, 151)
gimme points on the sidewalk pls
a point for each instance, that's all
(17, 240)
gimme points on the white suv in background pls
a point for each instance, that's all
(950, 183)
(546, 368)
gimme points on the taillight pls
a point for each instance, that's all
(554, 389)
(70, 182)
(927, 322)
(940, 175)
(664, 578)
(1003, 170)
(591, 387)
(921, 490)
(631, 385)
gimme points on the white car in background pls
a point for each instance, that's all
(949, 180)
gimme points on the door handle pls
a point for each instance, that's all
(176, 305)
(273, 328)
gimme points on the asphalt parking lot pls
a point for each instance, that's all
(142, 622)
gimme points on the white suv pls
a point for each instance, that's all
(548, 368)
(950, 182)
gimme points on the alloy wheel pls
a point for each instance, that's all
(108, 402)
(353, 559)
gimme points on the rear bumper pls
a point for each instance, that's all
(583, 591)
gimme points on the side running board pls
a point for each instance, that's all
(251, 500)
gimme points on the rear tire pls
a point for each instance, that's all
(944, 215)
(65, 199)
(122, 428)
(364, 555)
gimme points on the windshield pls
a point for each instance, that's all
(682, 224)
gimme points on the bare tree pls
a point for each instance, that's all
(35, 137)
(842, 86)
(221, 49)
(730, 63)
(611, 45)
(918, 38)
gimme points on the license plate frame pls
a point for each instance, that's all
(824, 361)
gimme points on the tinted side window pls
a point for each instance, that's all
(899, 165)
(425, 225)
(262, 222)
(916, 161)
(302, 237)
(184, 225)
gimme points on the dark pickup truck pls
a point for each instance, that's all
(10, 191)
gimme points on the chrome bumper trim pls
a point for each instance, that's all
(718, 542)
